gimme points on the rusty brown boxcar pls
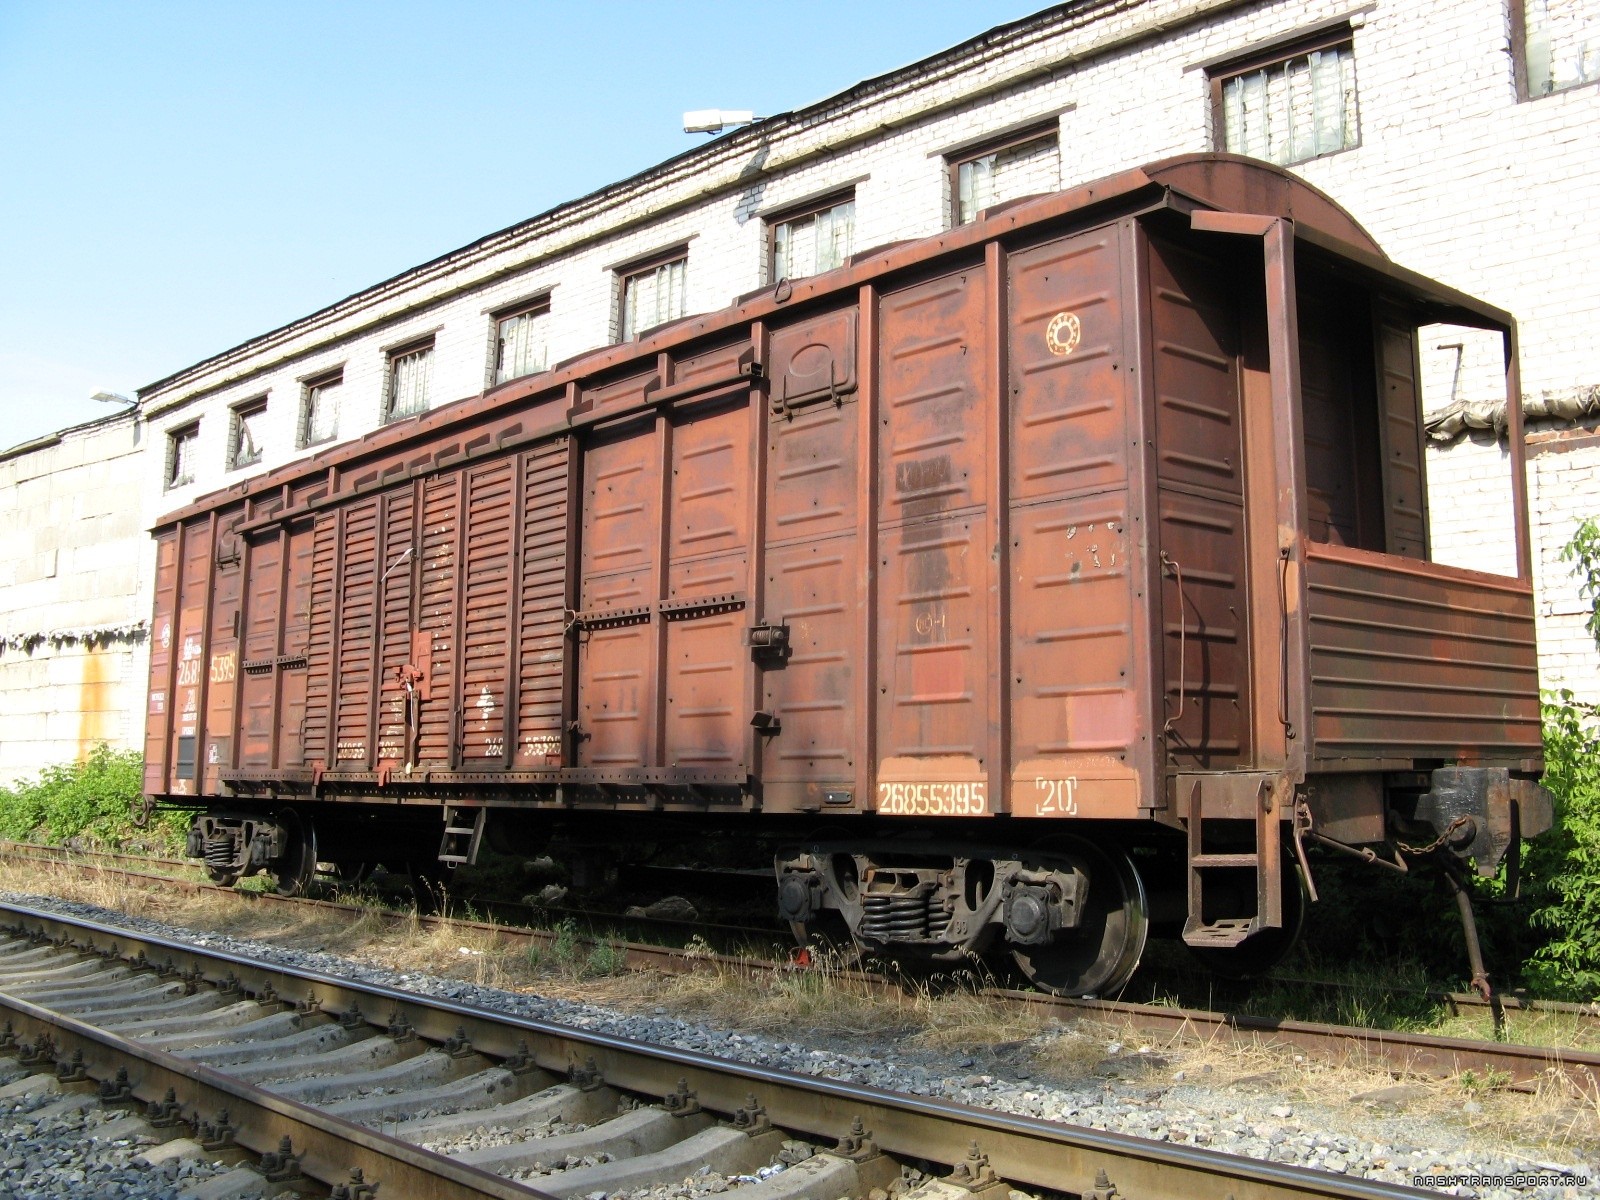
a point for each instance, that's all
(1056, 570)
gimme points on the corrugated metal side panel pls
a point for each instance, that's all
(189, 640)
(1400, 419)
(319, 641)
(934, 603)
(707, 665)
(1067, 362)
(395, 590)
(441, 499)
(353, 657)
(1419, 660)
(258, 684)
(162, 621)
(541, 634)
(295, 646)
(813, 586)
(1074, 703)
(621, 542)
(486, 612)
(222, 658)
(1199, 471)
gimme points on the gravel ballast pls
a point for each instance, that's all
(1127, 1092)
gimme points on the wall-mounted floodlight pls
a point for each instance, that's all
(112, 398)
(715, 120)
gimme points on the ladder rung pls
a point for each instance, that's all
(1225, 860)
(452, 858)
(458, 829)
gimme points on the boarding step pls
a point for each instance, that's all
(463, 832)
(1234, 823)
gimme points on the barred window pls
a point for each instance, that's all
(1024, 165)
(410, 371)
(1560, 41)
(319, 409)
(181, 444)
(654, 293)
(245, 424)
(1289, 107)
(521, 340)
(812, 240)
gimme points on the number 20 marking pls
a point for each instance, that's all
(1059, 796)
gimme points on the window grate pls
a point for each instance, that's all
(319, 410)
(521, 343)
(813, 242)
(410, 372)
(653, 296)
(1298, 108)
(1021, 168)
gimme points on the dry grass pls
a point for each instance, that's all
(827, 1002)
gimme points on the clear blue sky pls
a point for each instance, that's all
(178, 177)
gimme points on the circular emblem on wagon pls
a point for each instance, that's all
(1063, 334)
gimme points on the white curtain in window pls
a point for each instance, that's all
(522, 346)
(1562, 43)
(408, 382)
(814, 243)
(1024, 170)
(653, 297)
(1295, 110)
(322, 412)
(247, 445)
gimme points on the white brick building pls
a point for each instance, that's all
(1461, 132)
(75, 594)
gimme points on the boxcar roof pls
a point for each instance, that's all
(1222, 182)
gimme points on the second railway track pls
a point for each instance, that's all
(1519, 1066)
(342, 1068)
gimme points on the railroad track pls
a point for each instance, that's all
(342, 1069)
(1524, 1067)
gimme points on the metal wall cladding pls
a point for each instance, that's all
(1419, 661)
(484, 610)
(439, 553)
(936, 576)
(1194, 348)
(541, 603)
(1400, 426)
(813, 581)
(158, 704)
(189, 676)
(258, 700)
(1074, 691)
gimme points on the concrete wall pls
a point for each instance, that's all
(74, 595)
(1453, 174)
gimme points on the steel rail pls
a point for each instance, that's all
(1022, 1150)
(1522, 1066)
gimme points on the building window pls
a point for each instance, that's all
(1025, 164)
(181, 445)
(319, 409)
(812, 240)
(1291, 104)
(245, 427)
(406, 392)
(1560, 43)
(521, 340)
(654, 293)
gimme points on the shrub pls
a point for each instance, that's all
(94, 799)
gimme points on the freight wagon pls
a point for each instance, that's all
(1056, 574)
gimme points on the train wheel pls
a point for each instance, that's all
(298, 866)
(1100, 955)
(222, 878)
(430, 884)
(1258, 954)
